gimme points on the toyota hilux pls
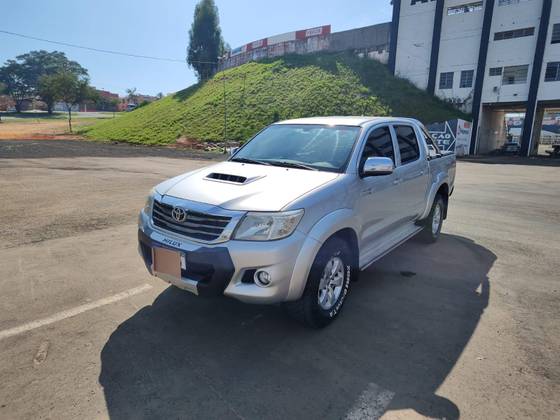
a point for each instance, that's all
(296, 212)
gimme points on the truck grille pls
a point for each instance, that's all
(203, 226)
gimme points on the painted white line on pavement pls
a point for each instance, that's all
(371, 404)
(73, 312)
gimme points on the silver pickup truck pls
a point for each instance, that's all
(298, 211)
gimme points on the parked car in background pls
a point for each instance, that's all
(297, 211)
(131, 107)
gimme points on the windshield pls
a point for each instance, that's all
(315, 147)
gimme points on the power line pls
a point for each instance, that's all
(147, 57)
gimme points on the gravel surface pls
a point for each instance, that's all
(32, 149)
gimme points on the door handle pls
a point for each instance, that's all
(396, 181)
(367, 191)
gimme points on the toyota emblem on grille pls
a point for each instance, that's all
(179, 214)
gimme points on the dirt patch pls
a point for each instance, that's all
(39, 129)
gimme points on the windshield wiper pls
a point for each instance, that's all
(247, 160)
(289, 164)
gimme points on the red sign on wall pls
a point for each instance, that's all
(261, 43)
(318, 31)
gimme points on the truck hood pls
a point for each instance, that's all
(247, 187)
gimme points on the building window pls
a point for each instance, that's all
(515, 75)
(466, 78)
(464, 8)
(552, 73)
(509, 2)
(446, 80)
(516, 33)
(555, 34)
(413, 2)
(495, 71)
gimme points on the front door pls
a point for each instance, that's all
(377, 203)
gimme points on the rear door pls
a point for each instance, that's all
(412, 172)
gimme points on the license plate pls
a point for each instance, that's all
(169, 262)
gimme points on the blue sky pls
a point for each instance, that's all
(159, 28)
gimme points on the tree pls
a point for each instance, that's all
(131, 96)
(47, 90)
(2, 87)
(206, 44)
(159, 95)
(103, 103)
(70, 89)
(22, 75)
(13, 76)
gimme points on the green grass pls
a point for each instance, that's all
(260, 92)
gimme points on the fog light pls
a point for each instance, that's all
(262, 278)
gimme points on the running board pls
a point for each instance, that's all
(416, 229)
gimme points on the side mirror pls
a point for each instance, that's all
(232, 151)
(375, 166)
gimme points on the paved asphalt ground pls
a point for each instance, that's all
(468, 327)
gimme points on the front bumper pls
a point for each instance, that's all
(226, 268)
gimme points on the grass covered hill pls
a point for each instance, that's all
(259, 93)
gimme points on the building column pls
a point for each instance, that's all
(529, 122)
(436, 38)
(394, 35)
(537, 127)
(480, 73)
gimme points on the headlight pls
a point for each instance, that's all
(259, 226)
(149, 202)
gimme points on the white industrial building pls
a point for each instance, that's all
(488, 57)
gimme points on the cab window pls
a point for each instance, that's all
(408, 144)
(378, 144)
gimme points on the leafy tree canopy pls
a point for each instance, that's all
(206, 44)
(22, 75)
(70, 89)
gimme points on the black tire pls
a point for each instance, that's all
(429, 234)
(307, 310)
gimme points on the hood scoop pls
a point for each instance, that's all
(230, 179)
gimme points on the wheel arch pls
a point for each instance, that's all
(340, 224)
(443, 190)
(441, 186)
(350, 236)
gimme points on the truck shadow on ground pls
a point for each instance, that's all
(403, 328)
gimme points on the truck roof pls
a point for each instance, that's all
(356, 121)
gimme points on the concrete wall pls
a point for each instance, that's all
(492, 133)
(550, 90)
(371, 40)
(511, 52)
(414, 43)
(375, 37)
(459, 45)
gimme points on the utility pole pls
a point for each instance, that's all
(225, 111)
(225, 117)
